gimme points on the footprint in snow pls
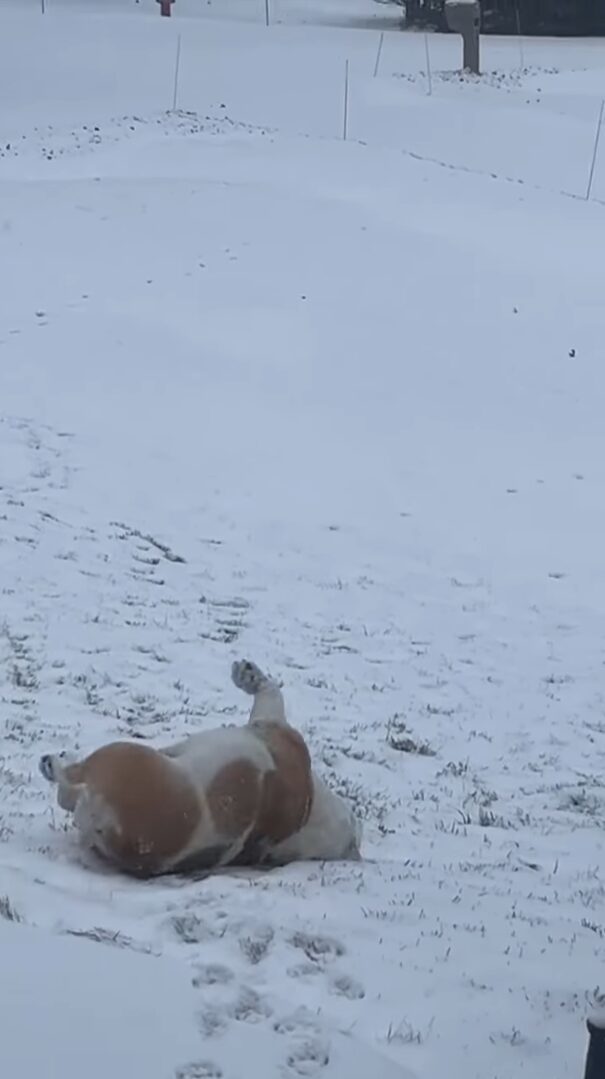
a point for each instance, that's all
(317, 948)
(344, 986)
(309, 1057)
(212, 974)
(249, 1007)
(199, 1069)
(300, 1022)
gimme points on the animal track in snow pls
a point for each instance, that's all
(256, 943)
(212, 974)
(344, 986)
(191, 929)
(199, 1069)
(249, 1007)
(212, 1020)
(317, 948)
(301, 1022)
(304, 970)
(310, 1048)
(309, 1057)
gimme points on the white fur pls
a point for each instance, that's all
(93, 818)
(203, 755)
(332, 831)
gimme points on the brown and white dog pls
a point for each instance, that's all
(229, 796)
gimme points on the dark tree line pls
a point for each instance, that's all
(581, 17)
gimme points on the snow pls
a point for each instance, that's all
(77, 977)
(357, 387)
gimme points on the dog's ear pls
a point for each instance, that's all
(67, 796)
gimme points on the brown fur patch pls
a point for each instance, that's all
(155, 805)
(287, 791)
(234, 798)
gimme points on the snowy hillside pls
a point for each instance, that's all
(338, 406)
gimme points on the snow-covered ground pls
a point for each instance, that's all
(357, 387)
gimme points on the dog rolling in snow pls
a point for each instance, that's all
(229, 796)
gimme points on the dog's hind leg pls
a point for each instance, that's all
(268, 705)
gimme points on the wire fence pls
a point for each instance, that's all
(365, 88)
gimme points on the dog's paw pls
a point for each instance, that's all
(248, 677)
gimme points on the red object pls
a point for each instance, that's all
(165, 6)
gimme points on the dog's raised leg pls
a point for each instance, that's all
(62, 769)
(268, 705)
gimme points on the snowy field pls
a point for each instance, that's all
(338, 406)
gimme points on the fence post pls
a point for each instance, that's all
(429, 74)
(595, 1058)
(378, 54)
(177, 66)
(519, 35)
(595, 152)
(345, 117)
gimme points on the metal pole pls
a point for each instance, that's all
(596, 149)
(429, 74)
(176, 73)
(345, 120)
(521, 53)
(379, 54)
